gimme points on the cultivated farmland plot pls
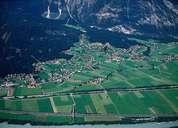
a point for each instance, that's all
(99, 84)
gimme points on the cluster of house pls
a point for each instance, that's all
(94, 82)
(114, 57)
(169, 58)
(32, 82)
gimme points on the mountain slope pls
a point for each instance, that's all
(160, 16)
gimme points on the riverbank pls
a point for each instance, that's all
(142, 125)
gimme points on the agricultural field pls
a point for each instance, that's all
(99, 84)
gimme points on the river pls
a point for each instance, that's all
(142, 125)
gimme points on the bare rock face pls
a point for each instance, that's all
(155, 12)
(135, 14)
